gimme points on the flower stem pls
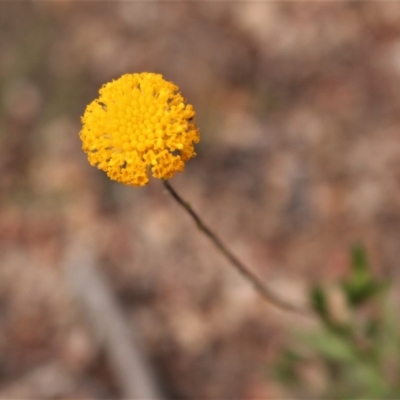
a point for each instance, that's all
(265, 292)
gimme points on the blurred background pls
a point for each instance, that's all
(299, 110)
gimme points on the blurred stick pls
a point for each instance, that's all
(131, 369)
(265, 292)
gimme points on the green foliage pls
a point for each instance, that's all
(319, 302)
(355, 354)
(360, 286)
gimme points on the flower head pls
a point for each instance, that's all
(139, 123)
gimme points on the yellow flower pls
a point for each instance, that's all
(140, 122)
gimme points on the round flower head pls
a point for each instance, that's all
(140, 123)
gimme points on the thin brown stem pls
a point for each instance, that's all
(265, 292)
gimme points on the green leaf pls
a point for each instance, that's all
(368, 380)
(332, 347)
(359, 260)
(285, 370)
(358, 292)
(319, 302)
(360, 286)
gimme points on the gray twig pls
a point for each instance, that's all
(132, 371)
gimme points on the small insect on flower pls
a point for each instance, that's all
(139, 123)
